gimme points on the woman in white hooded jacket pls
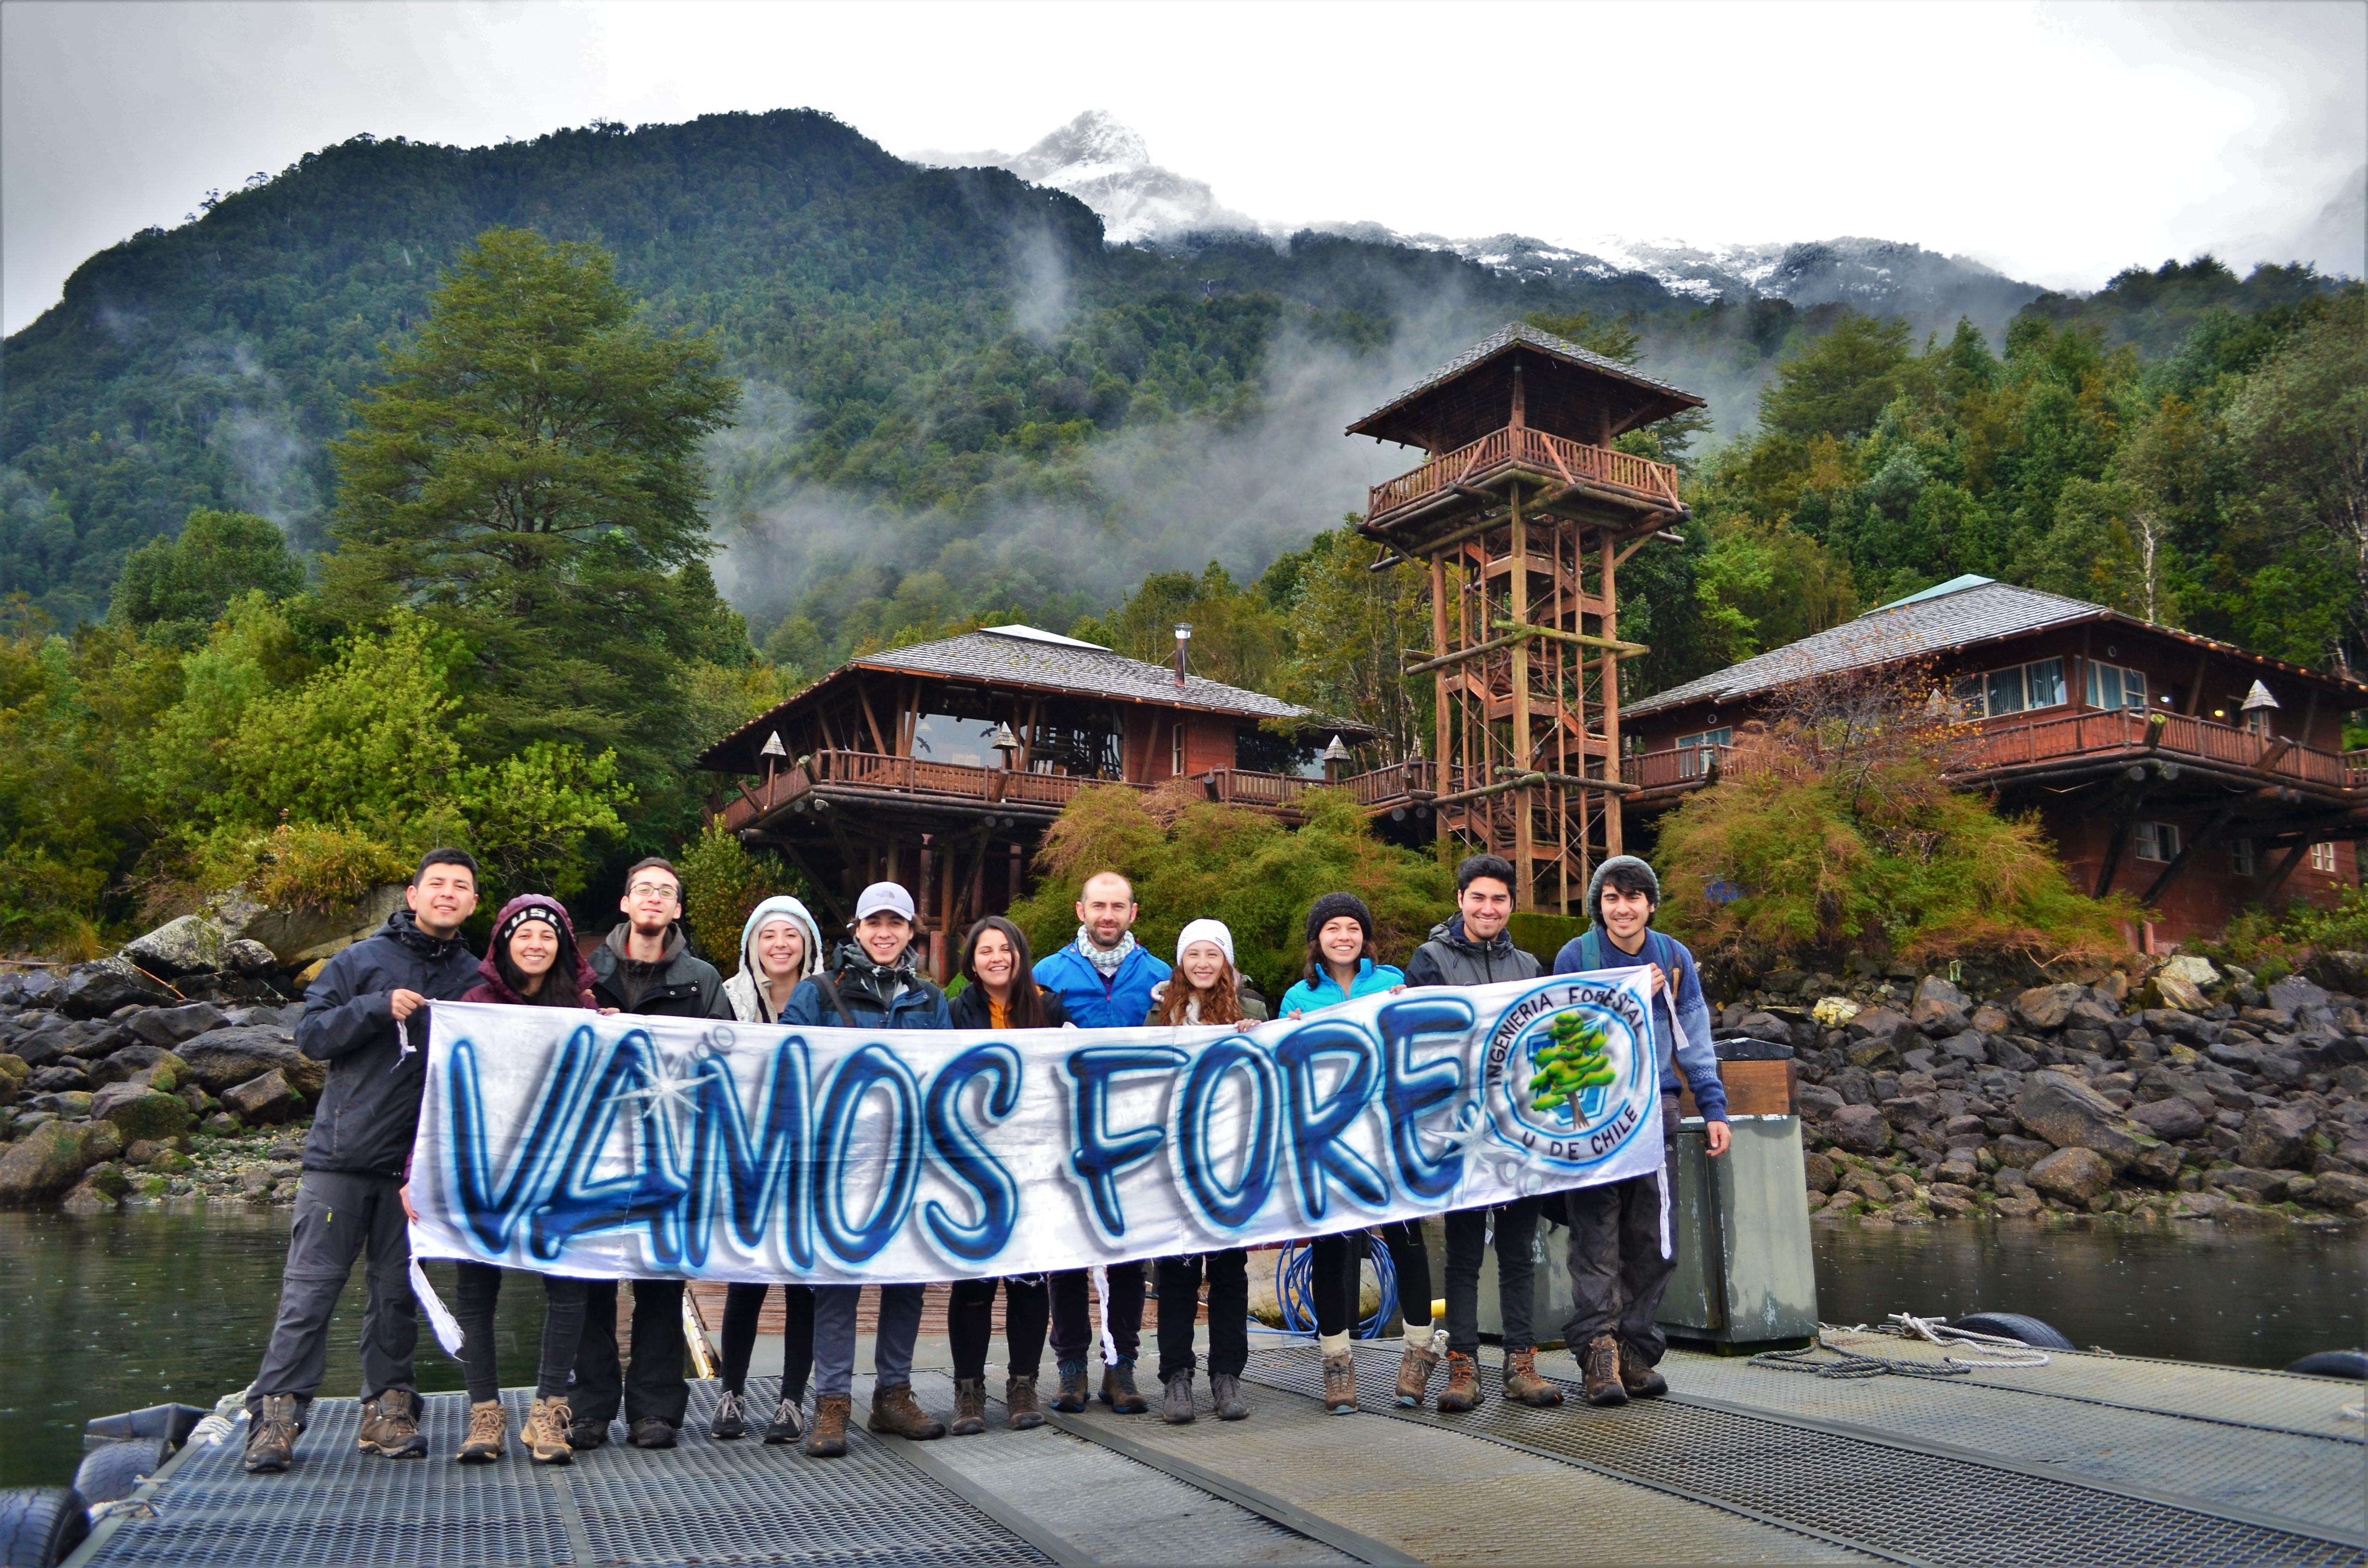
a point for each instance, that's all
(779, 946)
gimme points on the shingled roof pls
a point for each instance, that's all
(1954, 614)
(1504, 337)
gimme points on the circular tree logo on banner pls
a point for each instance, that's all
(1567, 1077)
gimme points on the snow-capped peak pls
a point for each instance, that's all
(1095, 146)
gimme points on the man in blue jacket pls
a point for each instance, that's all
(1104, 979)
(873, 983)
(1619, 1267)
(362, 1017)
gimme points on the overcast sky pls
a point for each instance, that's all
(2058, 143)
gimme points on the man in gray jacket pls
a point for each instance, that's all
(363, 1018)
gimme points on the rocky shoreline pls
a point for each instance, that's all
(2189, 1094)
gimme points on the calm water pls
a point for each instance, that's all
(113, 1312)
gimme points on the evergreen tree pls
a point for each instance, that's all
(173, 589)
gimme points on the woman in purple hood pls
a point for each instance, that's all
(532, 962)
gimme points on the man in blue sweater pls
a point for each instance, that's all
(1620, 1263)
(1104, 979)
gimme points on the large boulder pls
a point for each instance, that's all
(2075, 1175)
(132, 1060)
(2070, 1115)
(1818, 1103)
(2293, 994)
(2339, 1190)
(1860, 1129)
(1932, 988)
(2341, 970)
(229, 1057)
(1819, 1172)
(42, 1164)
(1991, 1018)
(190, 945)
(2191, 969)
(168, 1027)
(139, 1111)
(2167, 992)
(1970, 1046)
(298, 938)
(2275, 1138)
(2174, 1119)
(95, 990)
(250, 957)
(2046, 1006)
(265, 1099)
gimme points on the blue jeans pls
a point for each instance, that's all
(834, 1337)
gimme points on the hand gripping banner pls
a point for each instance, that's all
(567, 1142)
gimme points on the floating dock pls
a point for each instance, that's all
(2089, 1458)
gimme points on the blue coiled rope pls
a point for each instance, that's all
(1295, 1282)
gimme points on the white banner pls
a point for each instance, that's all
(571, 1144)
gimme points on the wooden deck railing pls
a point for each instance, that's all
(1680, 765)
(1573, 461)
(1394, 782)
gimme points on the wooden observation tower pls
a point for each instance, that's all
(1524, 514)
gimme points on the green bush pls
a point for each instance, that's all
(722, 882)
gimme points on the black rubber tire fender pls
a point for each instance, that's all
(114, 1470)
(2333, 1364)
(2015, 1326)
(38, 1525)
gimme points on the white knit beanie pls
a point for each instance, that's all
(1206, 931)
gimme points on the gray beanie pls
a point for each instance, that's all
(1634, 868)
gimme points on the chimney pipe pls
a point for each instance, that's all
(1183, 641)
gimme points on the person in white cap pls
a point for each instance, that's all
(1206, 989)
(873, 983)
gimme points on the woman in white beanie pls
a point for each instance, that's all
(1206, 988)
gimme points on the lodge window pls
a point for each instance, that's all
(2322, 857)
(1697, 753)
(2110, 685)
(2240, 856)
(1175, 751)
(2158, 841)
(2014, 690)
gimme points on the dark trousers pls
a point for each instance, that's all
(970, 1323)
(654, 1386)
(1617, 1272)
(1228, 1273)
(1339, 1277)
(742, 1305)
(1467, 1240)
(341, 1217)
(563, 1330)
(1076, 1334)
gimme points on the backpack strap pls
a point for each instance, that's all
(828, 985)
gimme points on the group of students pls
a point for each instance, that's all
(355, 1171)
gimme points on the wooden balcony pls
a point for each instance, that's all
(1519, 449)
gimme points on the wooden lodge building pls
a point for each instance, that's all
(939, 766)
(2191, 774)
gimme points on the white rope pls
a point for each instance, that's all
(1995, 1350)
(1101, 1297)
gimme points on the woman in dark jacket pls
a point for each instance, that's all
(1002, 995)
(532, 962)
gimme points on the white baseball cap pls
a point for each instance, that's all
(889, 896)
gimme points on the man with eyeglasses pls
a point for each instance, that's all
(645, 966)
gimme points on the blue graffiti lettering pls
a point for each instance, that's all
(755, 1182)
(491, 1213)
(873, 1066)
(965, 1155)
(652, 1196)
(1320, 1155)
(1099, 1153)
(1228, 1207)
(1409, 1093)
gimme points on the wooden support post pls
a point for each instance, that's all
(1014, 892)
(1609, 700)
(1443, 757)
(1524, 799)
(872, 721)
(2187, 852)
(2285, 868)
(925, 906)
(2125, 826)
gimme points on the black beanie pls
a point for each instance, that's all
(1332, 906)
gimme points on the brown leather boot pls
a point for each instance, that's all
(1340, 1385)
(827, 1438)
(1019, 1398)
(545, 1433)
(1462, 1390)
(391, 1426)
(488, 1433)
(1119, 1391)
(896, 1413)
(271, 1440)
(970, 1408)
(1522, 1382)
(1073, 1391)
(1599, 1369)
(1639, 1380)
(1414, 1373)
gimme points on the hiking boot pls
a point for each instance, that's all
(789, 1421)
(654, 1432)
(1414, 1373)
(488, 1429)
(271, 1441)
(1341, 1384)
(1640, 1381)
(727, 1420)
(1225, 1395)
(1522, 1382)
(1598, 1369)
(827, 1438)
(970, 1408)
(546, 1434)
(1177, 1411)
(1462, 1390)
(587, 1433)
(1019, 1398)
(1072, 1397)
(1119, 1391)
(895, 1412)
(391, 1426)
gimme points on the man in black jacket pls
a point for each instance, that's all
(645, 967)
(362, 1017)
